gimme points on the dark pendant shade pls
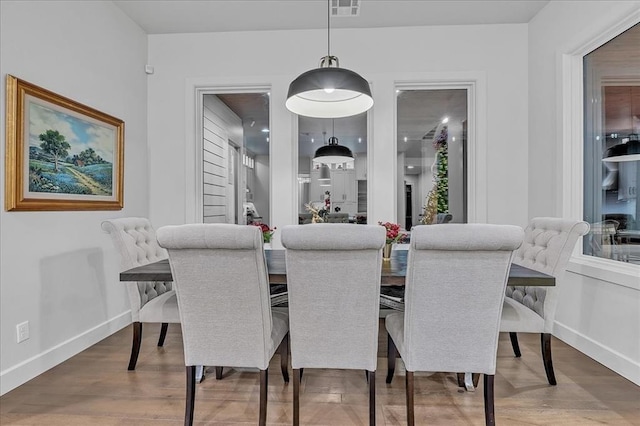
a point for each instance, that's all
(329, 92)
(333, 153)
(629, 151)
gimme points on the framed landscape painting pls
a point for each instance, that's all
(60, 154)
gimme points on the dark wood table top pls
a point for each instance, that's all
(393, 271)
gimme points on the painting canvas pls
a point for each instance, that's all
(61, 155)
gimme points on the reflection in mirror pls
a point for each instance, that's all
(328, 191)
(236, 158)
(431, 149)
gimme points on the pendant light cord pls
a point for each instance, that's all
(328, 28)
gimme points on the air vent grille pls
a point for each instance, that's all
(344, 8)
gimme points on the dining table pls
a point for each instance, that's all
(394, 272)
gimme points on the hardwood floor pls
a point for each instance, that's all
(94, 388)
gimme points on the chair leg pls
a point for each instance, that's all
(489, 414)
(391, 358)
(264, 376)
(163, 334)
(545, 344)
(191, 395)
(409, 383)
(514, 344)
(297, 374)
(219, 373)
(371, 376)
(284, 358)
(135, 345)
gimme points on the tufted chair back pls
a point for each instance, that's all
(547, 247)
(135, 239)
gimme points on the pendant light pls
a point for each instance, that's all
(329, 91)
(325, 172)
(333, 153)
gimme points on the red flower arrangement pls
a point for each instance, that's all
(393, 232)
(267, 233)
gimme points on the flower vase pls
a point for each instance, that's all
(386, 251)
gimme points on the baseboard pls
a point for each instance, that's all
(21, 373)
(606, 356)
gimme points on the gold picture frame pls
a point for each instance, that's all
(60, 154)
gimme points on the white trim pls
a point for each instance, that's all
(570, 133)
(26, 370)
(611, 271)
(477, 180)
(614, 360)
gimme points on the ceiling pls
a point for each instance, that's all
(416, 115)
(165, 17)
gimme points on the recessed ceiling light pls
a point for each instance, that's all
(405, 138)
(359, 140)
(409, 167)
(453, 139)
(265, 130)
(445, 120)
(267, 138)
(312, 141)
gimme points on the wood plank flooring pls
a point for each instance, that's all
(94, 388)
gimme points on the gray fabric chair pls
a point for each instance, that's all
(547, 247)
(444, 217)
(454, 290)
(151, 302)
(223, 295)
(333, 279)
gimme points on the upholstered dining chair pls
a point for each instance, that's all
(151, 302)
(547, 247)
(454, 290)
(333, 279)
(222, 286)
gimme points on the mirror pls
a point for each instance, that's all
(334, 192)
(236, 158)
(431, 156)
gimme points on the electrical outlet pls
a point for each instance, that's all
(23, 331)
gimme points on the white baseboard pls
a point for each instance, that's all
(21, 373)
(621, 364)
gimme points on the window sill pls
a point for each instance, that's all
(619, 273)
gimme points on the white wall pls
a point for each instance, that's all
(58, 270)
(494, 54)
(599, 305)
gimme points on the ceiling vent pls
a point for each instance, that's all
(344, 8)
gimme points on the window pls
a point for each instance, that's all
(431, 155)
(611, 128)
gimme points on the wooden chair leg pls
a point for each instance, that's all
(163, 334)
(191, 395)
(372, 397)
(297, 374)
(135, 345)
(545, 344)
(409, 383)
(264, 376)
(514, 344)
(219, 373)
(489, 414)
(391, 358)
(284, 358)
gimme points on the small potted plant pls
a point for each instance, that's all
(267, 233)
(394, 235)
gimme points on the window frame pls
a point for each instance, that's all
(571, 132)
